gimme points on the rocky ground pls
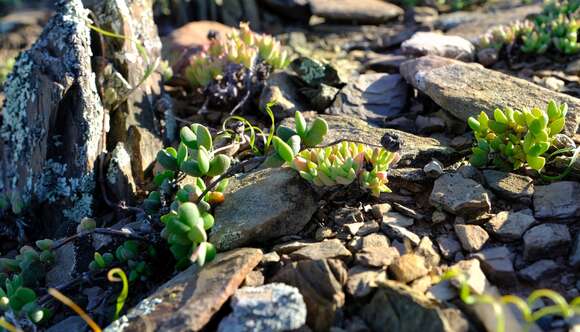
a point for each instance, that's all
(292, 257)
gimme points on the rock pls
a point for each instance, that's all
(553, 83)
(347, 215)
(320, 282)
(475, 277)
(190, 299)
(575, 253)
(459, 195)
(376, 256)
(369, 241)
(472, 237)
(254, 278)
(372, 97)
(510, 226)
(378, 210)
(288, 247)
(72, 323)
(397, 219)
(487, 56)
(408, 268)
(427, 250)
(51, 122)
(558, 200)
(545, 241)
(429, 124)
(422, 284)
(497, 265)
(466, 90)
(322, 250)
(542, 269)
(448, 246)
(64, 267)
(433, 169)
(354, 227)
(270, 258)
(362, 280)
(282, 88)
(120, 176)
(573, 67)
(476, 24)
(360, 11)
(510, 186)
(272, 307)
(432, 43)
(397, 307)
(368, 228)
(414, 149)
(263, 206)
(400, 233)
(438, 217)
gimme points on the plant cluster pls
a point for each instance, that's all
(343, 163)
(189, 215)
(234, 64)
(515, 138)
(20, 274)
(556, 26)
(132, 254)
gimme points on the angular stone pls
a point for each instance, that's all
(497, 265)
(472, 237)
(361, 11)
(190, 299)
(459, 195)
(432, 43)
(372, 97)
(272, 307)
(322, 250)
(448, 245)
(320, 282)
(288, 247)
(559, 200)
(51, 130)
(466, 90)
(362, 280)
(400, 233)
(511, 226)
(254, 278)
(414, 149)
(408, 268)
(377, 256)
(397, 219)
(263, 206)
(510, 186)
(541, 269)
(120, 176)
(427, 250)
(282, 88)
(64, 266)
(545, 241)
(397, 307)
(575, 253)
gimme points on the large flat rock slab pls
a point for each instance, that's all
(361, 11)
(188, 301)
(468, 89)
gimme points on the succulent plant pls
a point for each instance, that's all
(133, 254)
(344, 163)
(515, 138)
(14, 296)
(242, 47)
(565, 34)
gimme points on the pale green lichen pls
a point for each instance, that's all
(120, 160)
(144, 308)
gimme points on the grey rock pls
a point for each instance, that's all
(426, 125)
(73, 323)
(288, 247)
(322, 250)
(545, 241)
(397, 219)
(320, 282)
(361, 11)
(497, 265)
(511, 226)
(427, 250)
(282, 88)
(466, 90)
(64, 267)
(372, 97)
(377, 256)
(409, 267)
(52, 121)
(368, 228)
(263, 206)
(558, 200)
(541, 269)
(575, 253)
(120, 175)
(510, 186)
(472, 25)
(362, 280)
(433, 169)
(487, 56)
(472, 237)
(400, 233)
(459, 195)
(431, 43)
(272, 307)
(415, 150)
(448, 246)
(190, 299)
(396, 307)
